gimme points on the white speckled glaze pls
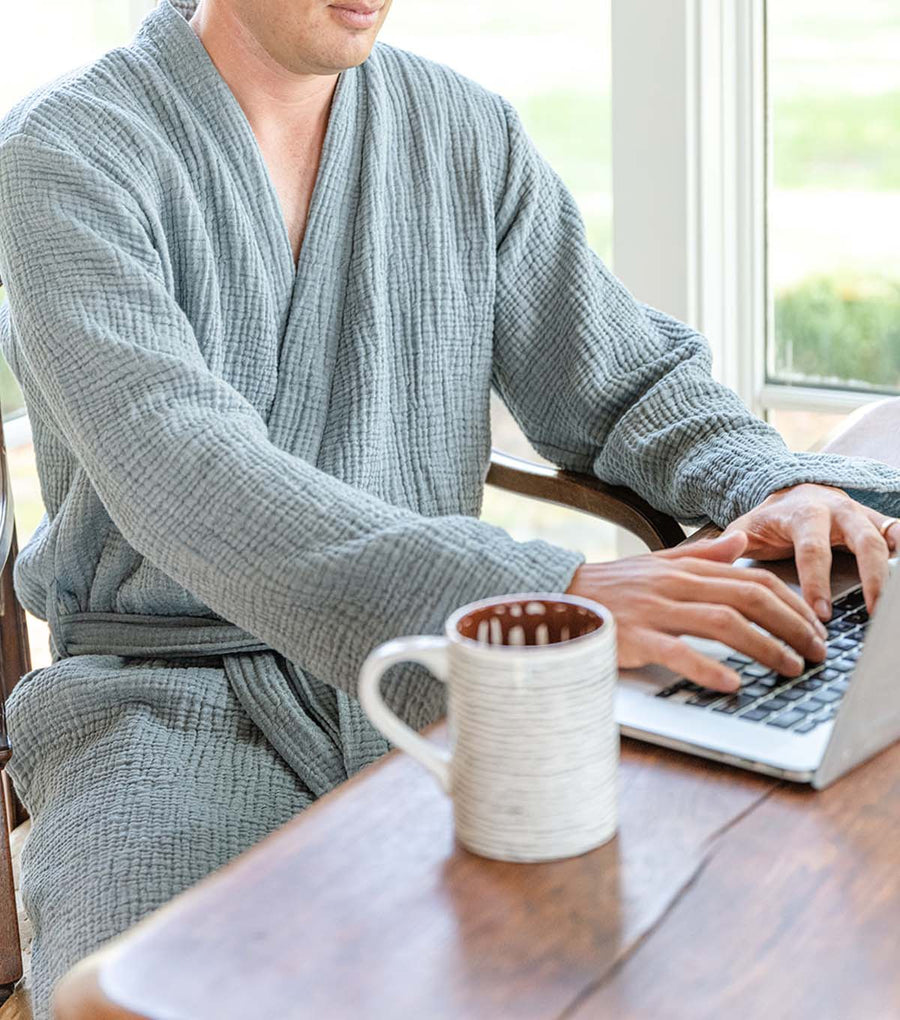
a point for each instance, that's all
(534, 746)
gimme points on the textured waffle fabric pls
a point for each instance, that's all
(298, 453)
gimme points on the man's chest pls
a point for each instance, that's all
(292, 169)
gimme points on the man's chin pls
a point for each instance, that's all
(343, 53)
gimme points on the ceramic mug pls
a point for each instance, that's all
(534, 746)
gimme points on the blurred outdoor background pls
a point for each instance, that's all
(834, 208)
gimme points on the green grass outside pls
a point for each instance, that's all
(830, 141)
(839, 330)
(838, 141)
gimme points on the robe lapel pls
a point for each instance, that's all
(312, 326)
(308, 301)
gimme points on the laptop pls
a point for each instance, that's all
(808, 729)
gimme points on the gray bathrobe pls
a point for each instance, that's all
(254, 475)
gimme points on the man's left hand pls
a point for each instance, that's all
(805, 521)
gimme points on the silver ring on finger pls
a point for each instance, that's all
(886, 526)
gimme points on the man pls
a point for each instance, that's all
(261, 280)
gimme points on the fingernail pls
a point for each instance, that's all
(823, 608)
(793, 663)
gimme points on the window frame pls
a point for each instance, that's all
(692, 172)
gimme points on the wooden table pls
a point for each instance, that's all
(723, 894)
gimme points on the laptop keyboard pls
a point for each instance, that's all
(798, 704)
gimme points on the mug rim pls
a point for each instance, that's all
(603, 632)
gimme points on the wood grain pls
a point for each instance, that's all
(10, 953)
(364, 905)
(587, 493)
(797, 915)
(17, 1006)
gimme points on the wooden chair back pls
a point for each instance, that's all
(15, 662)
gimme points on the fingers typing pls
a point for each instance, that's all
(812, 553)
(863, 539)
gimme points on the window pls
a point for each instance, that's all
(556, 71)
(770, 224)
(834, 80)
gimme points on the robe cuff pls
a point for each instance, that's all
(868, 481)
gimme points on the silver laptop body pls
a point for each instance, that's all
(867, 719)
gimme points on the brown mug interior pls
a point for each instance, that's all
(530, 621)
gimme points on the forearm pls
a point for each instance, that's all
(604, 384)
(694, 450)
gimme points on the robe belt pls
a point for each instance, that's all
(133, 634)
(320, 732)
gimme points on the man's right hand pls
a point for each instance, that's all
(696, 590)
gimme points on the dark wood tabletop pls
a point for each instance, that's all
(724, 893)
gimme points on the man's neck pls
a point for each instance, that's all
(274, 99)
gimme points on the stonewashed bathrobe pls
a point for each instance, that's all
(254, 475)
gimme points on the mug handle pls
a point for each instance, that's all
(431, 652)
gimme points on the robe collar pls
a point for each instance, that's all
(171, 42)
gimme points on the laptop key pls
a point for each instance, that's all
(755, 714)
(807, 707)
(843, 665)
(756, 670)
(773, 704)
(706, 698)
(739, 657)
(826, 696)
(807, 727)
(734, 704)
(845, 644)
(787, 719)
(811, 683)
(792, 694)
(767, 682)
(675, 688)
(755, 691)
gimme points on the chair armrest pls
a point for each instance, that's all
(584, 492)
(872, 431)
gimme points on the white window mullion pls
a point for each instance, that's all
(689, 171)
(733, 173)
(654, 247)
(779, 397)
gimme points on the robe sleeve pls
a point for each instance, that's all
(604, 384)
(319, 569)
